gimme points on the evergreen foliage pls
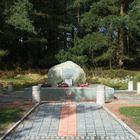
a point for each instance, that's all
(18, 15)
(90, 33)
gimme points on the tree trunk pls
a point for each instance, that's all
(122, 7)
(110, 63)
(121, 47)
(120, 59)
(78, 14)
(110, 45)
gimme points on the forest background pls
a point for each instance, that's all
(92, 33)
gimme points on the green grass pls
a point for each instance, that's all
(116, 78)
(132, 112)
(9, 115)
(115, 83)
(24, 80)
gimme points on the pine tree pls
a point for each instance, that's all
(18, 15)
(77, 4)
(115, 17)
(102, 17)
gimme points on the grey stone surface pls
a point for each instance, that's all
(93, 123)
(67, 70)
(132, 98)
(14, 96)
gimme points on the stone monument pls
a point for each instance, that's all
(66, 72)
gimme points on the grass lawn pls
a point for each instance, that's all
(132, 112)
(23, 80)
(9, 115)
(116, 78)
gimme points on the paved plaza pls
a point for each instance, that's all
(70, 120)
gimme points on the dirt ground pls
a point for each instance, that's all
(114, 107)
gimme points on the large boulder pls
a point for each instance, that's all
(66, 70)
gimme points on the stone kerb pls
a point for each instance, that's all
(138, 88)
(100, 99)
(36, 94)
(130, 86)
(10, 86)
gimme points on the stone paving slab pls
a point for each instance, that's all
(67, 125)
(92, 123)
(130, 98)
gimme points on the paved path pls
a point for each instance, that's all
(129, 98)
(67, 124)
(74, 121)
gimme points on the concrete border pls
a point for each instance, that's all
(122, 123)
(125, 91)
(21, 120)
